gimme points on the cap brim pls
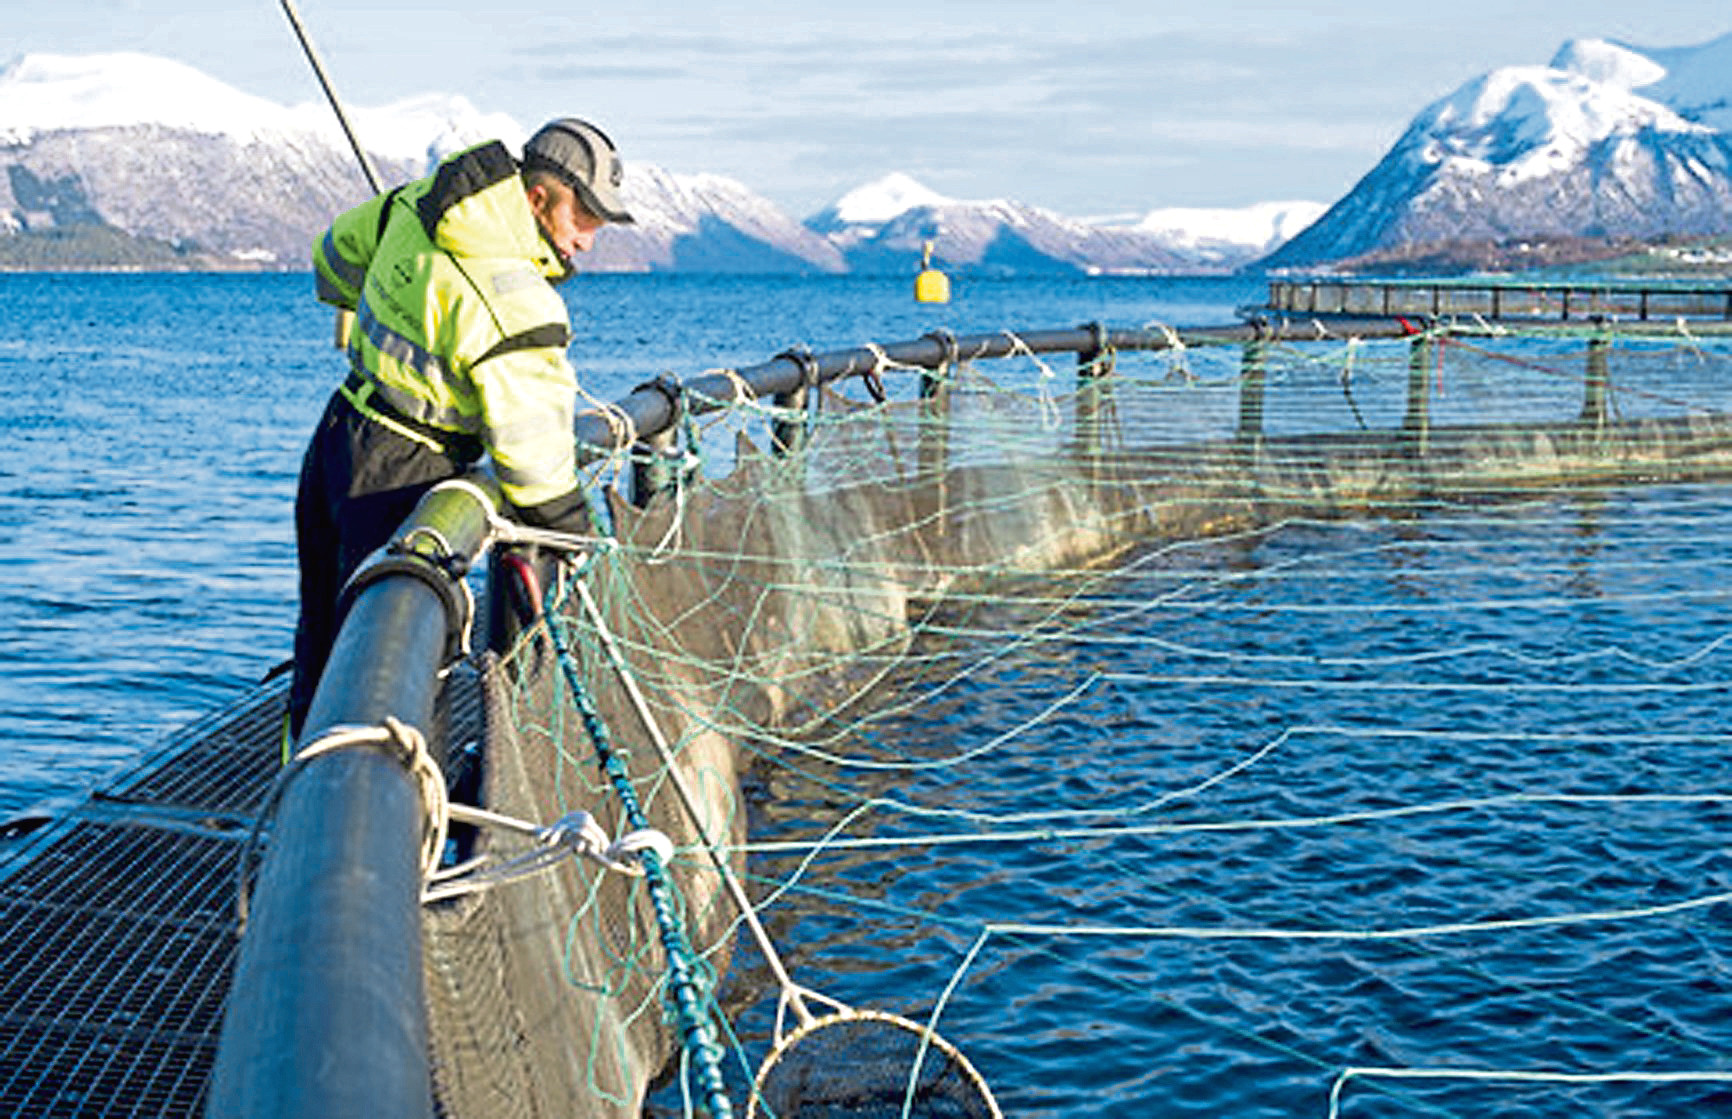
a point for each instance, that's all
(607, 206)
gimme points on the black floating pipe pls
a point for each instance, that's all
(326, 1015)
(647, 409)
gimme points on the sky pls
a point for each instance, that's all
(1088, 109)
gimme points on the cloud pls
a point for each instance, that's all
(1156, 106)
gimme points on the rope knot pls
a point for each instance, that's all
(579, 833)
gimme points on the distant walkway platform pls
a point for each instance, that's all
(1494, 300)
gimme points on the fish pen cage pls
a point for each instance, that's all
(896, 739)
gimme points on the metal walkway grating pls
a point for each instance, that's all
(117, 929)
(106, 1013)
(228, 772)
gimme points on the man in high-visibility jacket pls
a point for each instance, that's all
(458, 350)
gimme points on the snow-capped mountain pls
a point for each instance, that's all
(863, 212)
(882, 225)
(1230, 237)
(1607, 141)
(160, 153)
(45, 93)
(705, 223)
(142, 161)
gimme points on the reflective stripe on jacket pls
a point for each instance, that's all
(457, 327)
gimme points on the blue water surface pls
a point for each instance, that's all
(1444, 793)
(1237, 765)
(154, 426)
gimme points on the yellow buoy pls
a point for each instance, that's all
(931, 285)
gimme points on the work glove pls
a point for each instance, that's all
(569, 512)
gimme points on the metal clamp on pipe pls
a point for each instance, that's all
(430, 547)
(949, 349)
(443, 575)
(670, 389)
(806, 362)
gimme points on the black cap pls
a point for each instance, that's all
(585, 159)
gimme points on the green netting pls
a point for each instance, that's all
(777, 611)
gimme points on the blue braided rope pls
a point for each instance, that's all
(689, 1013)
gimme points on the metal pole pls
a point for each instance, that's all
(1094, 364)
(331, 94)
(345, 318)
(652, 468)
(1416, 425)
(326, 1015)
(1597, 381)
(1252, 380)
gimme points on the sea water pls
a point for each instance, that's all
(1289, 697)
(1445, 794)
(153, 428)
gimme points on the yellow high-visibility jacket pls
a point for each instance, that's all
(457, 328)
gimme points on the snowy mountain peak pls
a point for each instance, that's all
(884, 199)
(423, 129)
(1698, 82)
(1258, 228)
(1608, 64)
(52, 92)
(41, 93)
(1530, 121)
(1609, 141)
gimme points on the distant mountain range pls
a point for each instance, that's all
(879, 227)
(1607, 148)
(132, 160)
(127, 160)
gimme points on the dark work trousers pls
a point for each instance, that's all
(359, 481)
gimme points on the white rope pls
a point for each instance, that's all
(882, 361)
(575, 835)
(744, 393)
(1693, 342)
(1409, 932)
(1048, 834)
(992, 929)
(1177, 368)
(1049, 413)
(409, 747)
(511, 532)
(1496, 330)
(669, 544)
(620, 425)
(1518, 1076)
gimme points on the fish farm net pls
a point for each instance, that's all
(1286, 726)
